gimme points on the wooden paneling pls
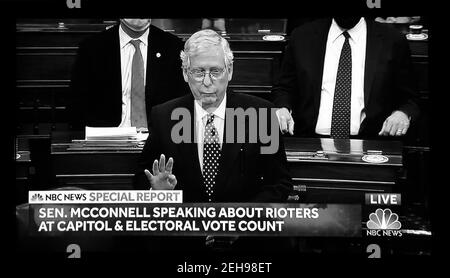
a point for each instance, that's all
(45, 67)
(36, 39)
(44, 59)
(45, 55)
(253, 71)
(420, 67)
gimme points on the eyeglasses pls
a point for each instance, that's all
(214, 74)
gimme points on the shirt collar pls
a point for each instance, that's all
(355, 33)
(219, 112)
(125, 39)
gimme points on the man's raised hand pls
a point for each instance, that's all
(162, 177)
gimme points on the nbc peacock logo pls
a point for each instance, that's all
(383, 222)
(37, 197)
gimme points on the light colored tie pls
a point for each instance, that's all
(138, 111)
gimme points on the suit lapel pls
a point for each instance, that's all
(230, 151)
(189, 151)
(115, 72)
(373, 47)
(153, 66)
(318, 46)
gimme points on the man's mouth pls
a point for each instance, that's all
(208, 94)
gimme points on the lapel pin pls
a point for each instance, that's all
(158, 55)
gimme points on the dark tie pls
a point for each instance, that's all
(211, 155)
(340, 119)
(138, 113)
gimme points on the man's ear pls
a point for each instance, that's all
(185, 76)
(230, 72)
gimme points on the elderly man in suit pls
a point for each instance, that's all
(120, 73)
(346, 77)
(209, 168)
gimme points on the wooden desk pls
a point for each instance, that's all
(342, 175)
(94, 169)
(339, 177)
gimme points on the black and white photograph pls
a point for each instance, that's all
(231, 143)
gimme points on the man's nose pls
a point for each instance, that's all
(207, 80)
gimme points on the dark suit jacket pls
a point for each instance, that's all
(388, 81)
(97, 83)
(244, 175)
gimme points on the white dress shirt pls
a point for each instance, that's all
(200, 119)
(126, 59)
(335, 41)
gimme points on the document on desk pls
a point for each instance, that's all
(110, 133)
(110, 138)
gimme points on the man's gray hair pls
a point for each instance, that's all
(202, 40)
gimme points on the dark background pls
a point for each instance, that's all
(296, 13)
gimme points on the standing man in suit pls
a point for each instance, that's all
(346, 77)
(207, 166)
(238, 172)
(122, 72)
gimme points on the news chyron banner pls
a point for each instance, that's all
(151, 212)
